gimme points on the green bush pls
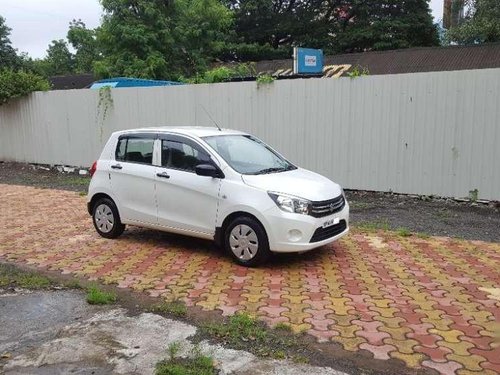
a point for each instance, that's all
(16, 84)
(223, 74)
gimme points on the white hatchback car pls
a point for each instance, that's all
(222, 185)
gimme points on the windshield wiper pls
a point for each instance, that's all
(273, 169)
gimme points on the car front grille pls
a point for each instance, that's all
(325, 208)
(323, 233)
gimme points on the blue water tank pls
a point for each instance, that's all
(131, 82)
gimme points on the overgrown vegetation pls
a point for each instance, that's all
(195, 364)
(16, 84)
(375, 225)
(13, 277)
(241, 331)
(358, 71)
(283, 327)
(265, 79)
(223, 74)
(96, 296)
(403, 232)
(480, 25)
(176, 307)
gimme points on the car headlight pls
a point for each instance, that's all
(290, 203)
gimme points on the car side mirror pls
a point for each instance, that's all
(208, 170)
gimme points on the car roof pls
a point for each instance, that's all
(196, 131)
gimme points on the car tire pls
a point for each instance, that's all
(246, 241)
(106, 218)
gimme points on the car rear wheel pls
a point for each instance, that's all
(106, 219)
(246, 241)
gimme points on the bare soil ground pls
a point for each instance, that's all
(424, 215)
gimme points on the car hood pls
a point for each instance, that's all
(299, 182)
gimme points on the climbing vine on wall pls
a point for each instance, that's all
(103, 106)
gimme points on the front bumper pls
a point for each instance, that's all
(289, 232)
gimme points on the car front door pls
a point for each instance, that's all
(185, 200)
(133, 178)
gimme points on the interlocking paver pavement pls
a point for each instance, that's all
(430, 302)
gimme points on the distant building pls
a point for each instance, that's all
(71, 81)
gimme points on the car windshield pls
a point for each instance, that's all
(248, 155)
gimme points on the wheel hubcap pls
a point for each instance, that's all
(104, 218)
(243, 242)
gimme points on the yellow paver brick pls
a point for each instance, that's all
(449, 336)
(461, 348)
(411, 360)
(470, 362)
(404, 346)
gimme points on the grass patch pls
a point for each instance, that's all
(243, 332)
(73, 284)
(374, 225)
(356, 205)
(196, 364)
(82, 193)
(75, 180)
(10, 276)
(423, 235)
(283, 327)
(96, 296)
(403, 232)
(177, 308)
(443, 214)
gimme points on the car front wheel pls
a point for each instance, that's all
(246, 241)
(106, 219)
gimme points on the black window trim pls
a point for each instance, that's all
(127, 136)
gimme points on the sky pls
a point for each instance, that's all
(35, 23)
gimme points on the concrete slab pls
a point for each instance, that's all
(58, 333)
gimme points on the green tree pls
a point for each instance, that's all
(84, 42)
(16, 84)
(383, 25)
(8, 55)
(268, 29)
(271, 28)
(59, 60)
(159, 38)
(481, 23)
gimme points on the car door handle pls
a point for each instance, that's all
(163, 175)
(116, 166)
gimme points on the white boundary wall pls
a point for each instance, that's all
(423, 133)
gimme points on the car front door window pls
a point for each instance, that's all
(182, 156)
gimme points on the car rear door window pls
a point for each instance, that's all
(135, 150)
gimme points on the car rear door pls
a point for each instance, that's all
(185, 200)
(133, 178)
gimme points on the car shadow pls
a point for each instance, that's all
(173, 241)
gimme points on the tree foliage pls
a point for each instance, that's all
(481, 23)
(59, 60)
(273, 27)
(384, 25)
(84, 42)
(160, 38)
(171, 39)
(16, 84)
(8, 55)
